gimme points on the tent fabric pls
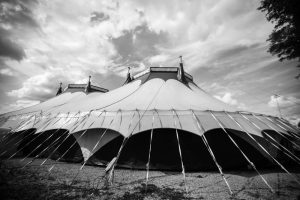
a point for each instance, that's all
(139, 120)
(89, 141)
(153, 100)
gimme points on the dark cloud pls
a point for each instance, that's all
(8, 83)
(98, 17)
(18, 17)
(10, 49)
(134, 46)
(18, 13)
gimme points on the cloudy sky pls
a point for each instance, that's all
(223, 43)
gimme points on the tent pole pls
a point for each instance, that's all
(179, 148)
(289, 154)
(282, 167)
(202, 130)
(149, 154)
(276, 131)
(245, 156)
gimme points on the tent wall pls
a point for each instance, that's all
(165, 154)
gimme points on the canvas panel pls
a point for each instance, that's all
(93, 139)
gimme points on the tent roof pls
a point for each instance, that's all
(156, 88)
(157, 92)
(82, 87)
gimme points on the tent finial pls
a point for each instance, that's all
(88, 87)
(181, 75)
(59, 91)
(128, 73)
(129, 78)
(180, 57)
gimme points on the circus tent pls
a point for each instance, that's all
(159, 119)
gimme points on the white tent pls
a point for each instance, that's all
(158, 120)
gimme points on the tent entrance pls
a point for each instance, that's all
(165, 152)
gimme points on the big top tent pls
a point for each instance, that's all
(159, 119)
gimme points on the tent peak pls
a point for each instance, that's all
(129, 77)
(88, 86)
(59, 91)
(164, 73)
(181, 74)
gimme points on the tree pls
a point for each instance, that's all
(285, 37)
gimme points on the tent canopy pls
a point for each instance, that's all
(160, 98)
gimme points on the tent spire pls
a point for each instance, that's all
(181, 75)
(59, 91)
(129, 78)
(88, 86)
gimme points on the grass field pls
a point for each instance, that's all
(66, 181)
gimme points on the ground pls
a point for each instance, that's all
(67, 181)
